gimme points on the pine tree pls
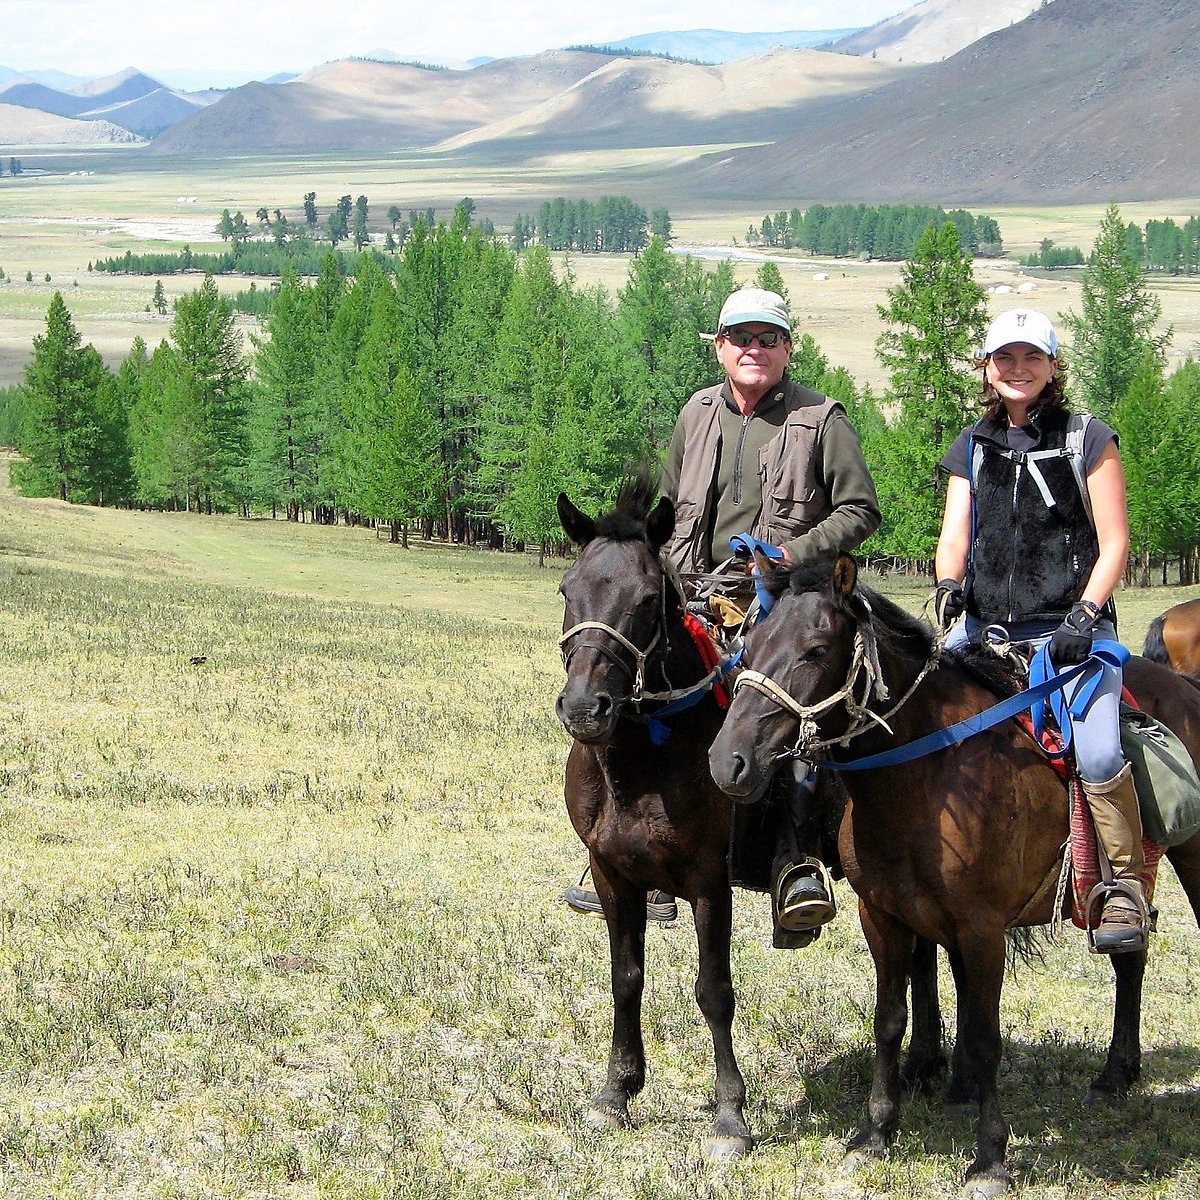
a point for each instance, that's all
(283, 424)
(1116, 326)
(210, 354)
(1151, 471)
(935, 319)
(61, 425)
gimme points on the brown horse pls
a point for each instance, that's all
(957, 847)
(1173, 639)
(649, 814)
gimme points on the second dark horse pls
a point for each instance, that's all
(957, 846)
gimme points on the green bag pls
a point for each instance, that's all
(1165, 777)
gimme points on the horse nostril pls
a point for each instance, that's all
(603, 704)
(737, 767)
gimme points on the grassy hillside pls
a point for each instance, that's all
(284, 922)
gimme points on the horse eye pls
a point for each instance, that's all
(815, 654)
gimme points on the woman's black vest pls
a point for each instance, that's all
(1034, 546)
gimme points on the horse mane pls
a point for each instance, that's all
(908, 635)
(635, 497)
(1155, 648)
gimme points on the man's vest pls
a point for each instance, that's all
(793, 499)
(1033, 544)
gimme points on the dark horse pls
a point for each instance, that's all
(650, 815)
(958, 846)
(1173, 639)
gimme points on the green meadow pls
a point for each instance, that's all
(281, 845)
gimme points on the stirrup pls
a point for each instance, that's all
(1101, 894)
(805, 912)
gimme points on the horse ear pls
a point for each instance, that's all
(845, 576)
(660, 524)
(579, 527)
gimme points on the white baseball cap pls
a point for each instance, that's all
(754, 304)
(1021, 325)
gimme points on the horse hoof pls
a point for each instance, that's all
(854, 1160)
(727, 1147)
(995, 1182)
(602, 1118)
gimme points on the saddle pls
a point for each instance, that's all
(1002, 675)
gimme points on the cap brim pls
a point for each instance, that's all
(747, 318)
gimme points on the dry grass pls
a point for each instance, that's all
(284, 922)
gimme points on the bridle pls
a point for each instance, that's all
(641, 657)
(864, 681)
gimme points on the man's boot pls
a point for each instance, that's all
(802, 893)
(1125, 918)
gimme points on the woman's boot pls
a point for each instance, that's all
(1125, 918)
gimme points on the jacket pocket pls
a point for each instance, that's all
(795, 510)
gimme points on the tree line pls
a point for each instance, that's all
(1156, 246)
(460, 393)
(887, 231)
(613, 224)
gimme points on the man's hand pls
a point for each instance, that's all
(1072, 640)
(948, 603)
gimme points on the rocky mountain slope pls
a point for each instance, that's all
(32, 127)
(360, 105)
(1084, 100)
(655, 102)
(934, 29)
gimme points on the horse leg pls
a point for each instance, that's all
(1185, 858)
(1124, 1062)
(891, 945)
(925, 1062)
(730, 1136)
(979, 979)
(962, 1089)
(625, 914)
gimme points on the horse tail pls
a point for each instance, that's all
(1155, 648)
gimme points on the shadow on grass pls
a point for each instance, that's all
(1056, 1135)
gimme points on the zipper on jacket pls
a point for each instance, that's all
(737, 461)
(1012, 569)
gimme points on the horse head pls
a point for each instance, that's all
(798, 662)
(617, 599)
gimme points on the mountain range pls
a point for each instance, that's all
(950, 101)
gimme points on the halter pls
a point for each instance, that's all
(639, 656)
(865, 675)
(638, 696)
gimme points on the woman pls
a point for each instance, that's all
(1034, 539)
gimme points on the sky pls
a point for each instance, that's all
(237, 40)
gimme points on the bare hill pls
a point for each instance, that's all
(28, 94)
(31, 127)
(357, 105)
(149, 114)
(935, 29)
(1084, 100)
(655, 102)
(129, 84)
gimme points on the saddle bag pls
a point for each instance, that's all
(1165, 777)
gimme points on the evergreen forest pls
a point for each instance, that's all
(454, 395)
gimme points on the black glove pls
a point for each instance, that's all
(1072, 640)
(948, 603)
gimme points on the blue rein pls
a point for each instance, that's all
(1045, 687)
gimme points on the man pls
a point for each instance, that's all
(759, 453)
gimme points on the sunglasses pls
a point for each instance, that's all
(743, 338)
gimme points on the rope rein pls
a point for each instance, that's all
(639, 695)
(864, 676)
